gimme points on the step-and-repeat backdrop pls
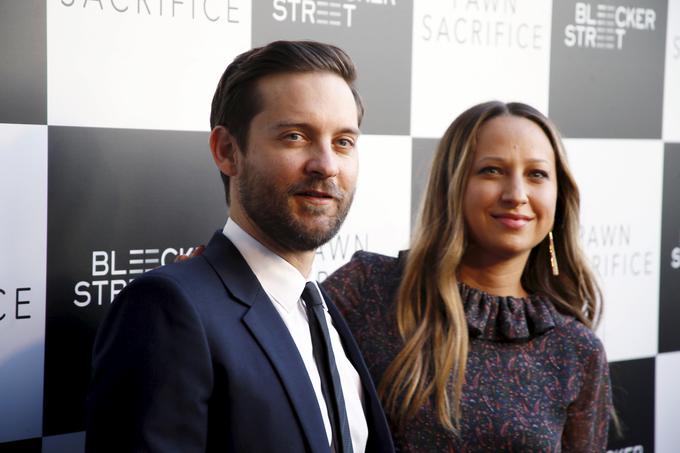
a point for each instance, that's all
(105, 170)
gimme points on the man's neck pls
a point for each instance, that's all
(302, 261)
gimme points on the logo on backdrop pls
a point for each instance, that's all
(602, 26)
(610, 251)
(209, 10)
(112, 271)
(323, 13)
(675, 255)
(484, 24)
(14, 303)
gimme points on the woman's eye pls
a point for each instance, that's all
(540, 174)
(490, 171)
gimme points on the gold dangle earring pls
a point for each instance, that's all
(553, 256)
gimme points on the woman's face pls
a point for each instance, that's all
(509, 202)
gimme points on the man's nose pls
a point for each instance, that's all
(323, 160)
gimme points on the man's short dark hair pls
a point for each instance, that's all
(236, 100)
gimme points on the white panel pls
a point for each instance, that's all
(671, 112)
(23, 241)
(667, 435)
(380, 215)
(466, 52)
(620, 183)
(149, 64)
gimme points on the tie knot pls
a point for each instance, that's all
(311, 294)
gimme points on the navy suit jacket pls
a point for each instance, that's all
(193, 357)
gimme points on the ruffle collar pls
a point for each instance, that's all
(507, 318)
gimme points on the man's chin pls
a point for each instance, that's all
(309, 211)
(317, 222)
(320, 237)
(311, 238)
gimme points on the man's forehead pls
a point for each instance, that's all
(300, 97)
(302, 82)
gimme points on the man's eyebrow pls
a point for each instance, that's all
(289, 124)
(351, 130)
(298, 125)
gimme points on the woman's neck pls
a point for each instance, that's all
(500, 277)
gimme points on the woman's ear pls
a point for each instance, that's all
(225, 150)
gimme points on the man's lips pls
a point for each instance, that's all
(315, 197)
(513, 221)
(314, 194)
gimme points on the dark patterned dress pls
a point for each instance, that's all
(536, 380)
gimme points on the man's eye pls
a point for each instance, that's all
(294, 136)
(345, 142)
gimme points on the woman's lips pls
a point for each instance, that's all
(512, 221)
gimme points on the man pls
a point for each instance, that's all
(221, 353)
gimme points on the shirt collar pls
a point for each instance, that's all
(280, 279)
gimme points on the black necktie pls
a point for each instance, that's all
(328, 371)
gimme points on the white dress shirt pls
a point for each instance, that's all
(283, 283)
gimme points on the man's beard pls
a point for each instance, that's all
(268, 207)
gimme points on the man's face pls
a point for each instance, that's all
(298, 175)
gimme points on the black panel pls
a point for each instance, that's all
(119, 202)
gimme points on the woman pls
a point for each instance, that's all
(476, 339)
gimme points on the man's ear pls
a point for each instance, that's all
(225, 150)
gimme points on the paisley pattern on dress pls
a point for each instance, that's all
(536, 380)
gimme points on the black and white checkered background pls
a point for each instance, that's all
(105, 171)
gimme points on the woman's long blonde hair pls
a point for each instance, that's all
(430, 315)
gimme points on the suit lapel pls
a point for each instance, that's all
(270, 332)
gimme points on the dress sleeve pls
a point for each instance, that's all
(588, 416)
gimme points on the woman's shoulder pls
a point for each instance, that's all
(364, 266)
(367, 276)
(579, 338)
(372, 259)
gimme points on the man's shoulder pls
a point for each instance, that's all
(186, 274)
(189, 290)
(197, 271)
(193, 280)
